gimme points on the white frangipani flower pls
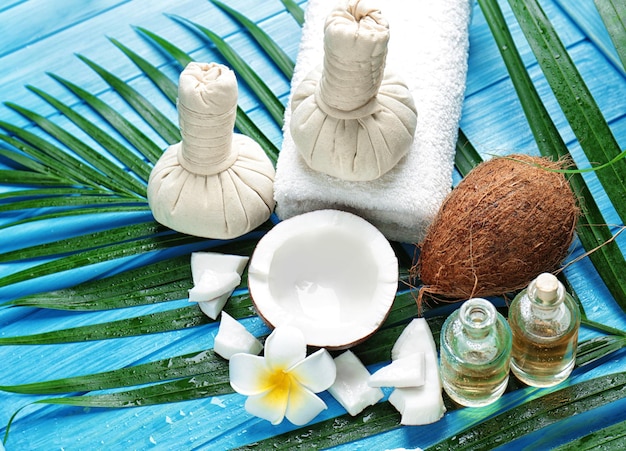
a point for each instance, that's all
(284, 381)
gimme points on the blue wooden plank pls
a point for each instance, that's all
(585, 16)
(8, 4)
(56, 53)
(50, 18)
(492, 119)
(485, 60)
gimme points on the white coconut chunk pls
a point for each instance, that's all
(416, 337)
(421, 405)
(201, 261)
(213, 285)
(418, 405)
(350, 387)
(232, 338)
(405, 372)
(213, 307)
(225, 269)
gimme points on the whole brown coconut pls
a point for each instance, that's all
(509, 220)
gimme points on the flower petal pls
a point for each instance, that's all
(270, 406)
(317, 372)
(249, 374)
(303, 405)
(284, 348)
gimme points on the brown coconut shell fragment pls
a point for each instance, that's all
(510, 219)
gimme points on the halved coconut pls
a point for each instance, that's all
(329, 273)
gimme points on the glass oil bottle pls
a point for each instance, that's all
(544, 320)
(475, 353)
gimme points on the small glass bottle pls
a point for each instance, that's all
(475, 353)
(544, 320)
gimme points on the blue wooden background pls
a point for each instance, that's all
(40, 36)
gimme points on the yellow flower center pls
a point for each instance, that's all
(281, 382)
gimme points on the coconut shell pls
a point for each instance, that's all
(509, 220)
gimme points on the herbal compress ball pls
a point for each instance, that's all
(352, 118)
(214, 183)
(509, 220)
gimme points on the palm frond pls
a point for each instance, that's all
(64, 197)
(151, 114)
(121, 181)
(295, 10)
(70, 179)
(188, 365)
(613, 13)
(466, 157)
(539, 413)
(138, 139)
(592, 231)
(162, 281)
(56, 160)
(153, 323)
(273, 105)
(115, 148)
(578, 105)
(92, 256)
(272, 50)
(160, 80)
(17, 177)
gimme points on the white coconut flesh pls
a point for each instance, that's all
(423, 404)
(329, 273)
(351, 387)
(232, 338)
(215, 276)
(405, 372)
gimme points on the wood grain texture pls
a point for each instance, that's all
(40, 36)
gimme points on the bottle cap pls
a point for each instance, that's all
(546, 287)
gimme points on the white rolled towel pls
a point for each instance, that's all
(428, 48)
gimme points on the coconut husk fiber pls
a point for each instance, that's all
(508, 220)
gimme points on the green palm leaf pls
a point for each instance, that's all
(162, 281)
(62, 197)
(152, 115)
(160, 80)
(577, 103)
(62, 212)
(98, 255)
(612, 437)
(466, 157)
(538, 413)
(196, 387)
(59, 181)
(57, 161)
(273, 105)
(187, 365)
(169, 320)
(121, 181)
(17, 177)
(86, 242)
(123, 126)
(119, 151)
(23, 161)
(613, 13)
(272, 50)
(593, 234)
(295, 10)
